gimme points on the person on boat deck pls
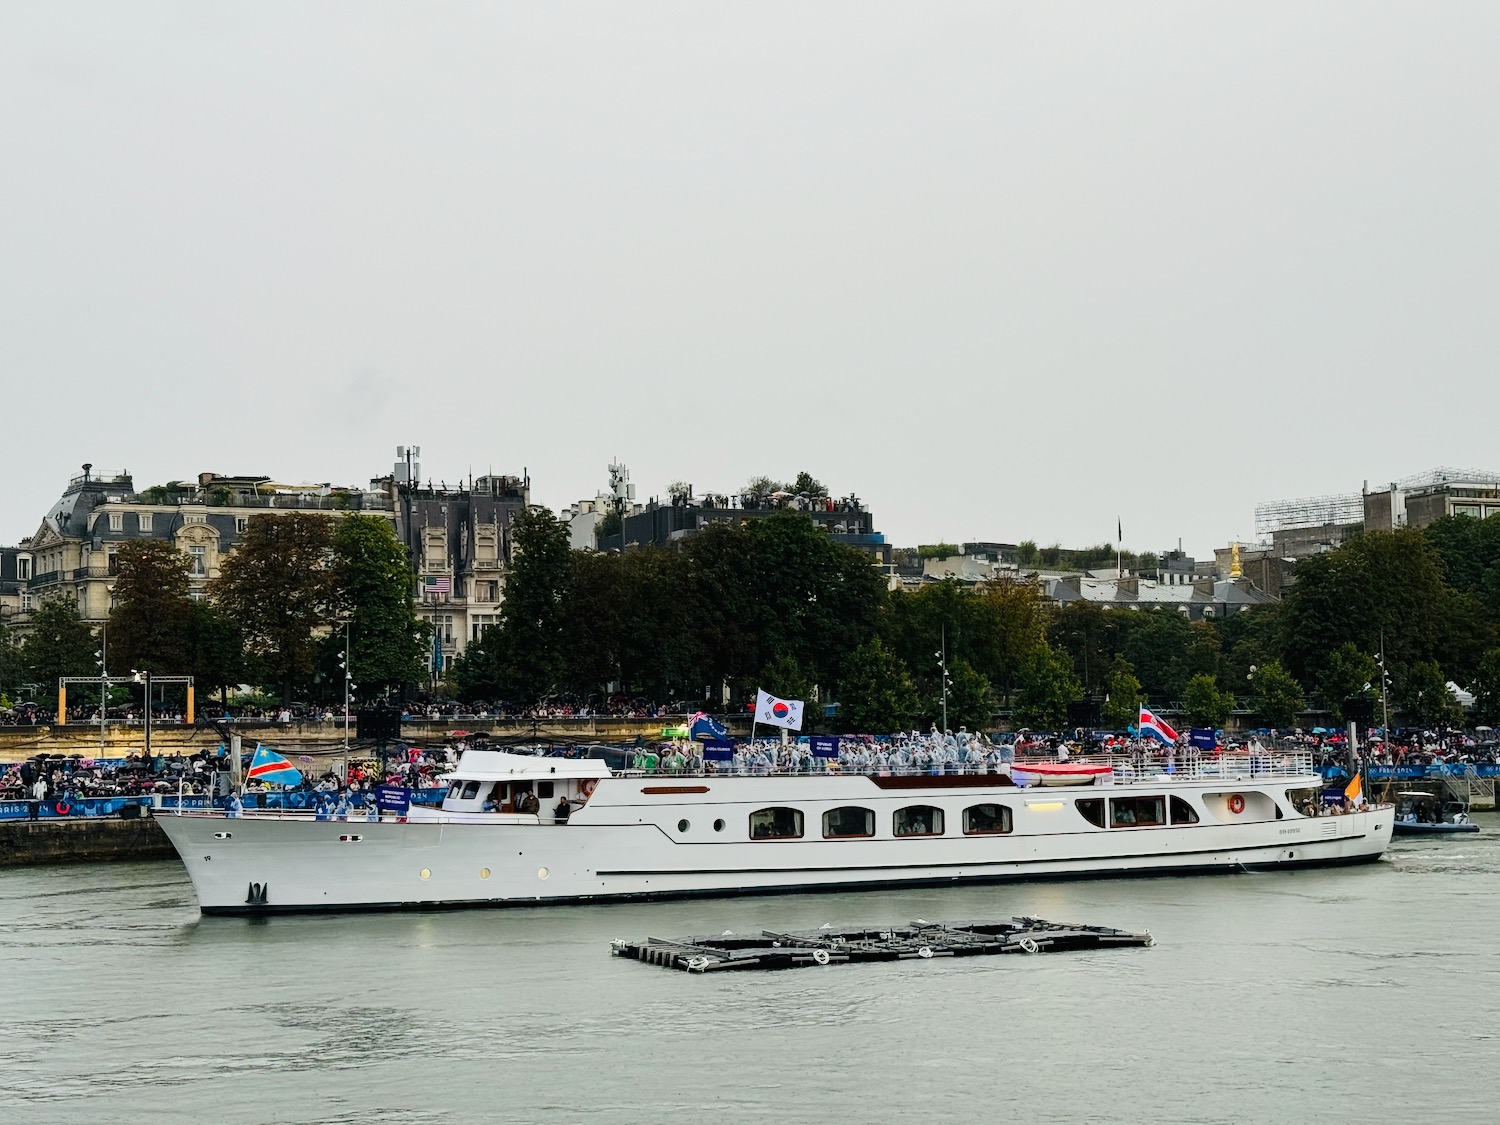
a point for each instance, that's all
(560, 814)
(496, 798)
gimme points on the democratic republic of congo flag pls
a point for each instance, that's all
(267, 765)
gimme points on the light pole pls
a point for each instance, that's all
(145, 678)
(102, 656)
(349, 686)
(942, 655)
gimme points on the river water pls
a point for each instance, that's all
(1362, 994)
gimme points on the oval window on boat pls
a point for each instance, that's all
(1182, 812)
(1137, 812)
(918, 820)
(1092, 808)
(683, 826)
(851, 820)
(776, 823)
(455, 789)
(718, 826)
(987, 820)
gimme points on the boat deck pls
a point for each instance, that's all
(921, 939)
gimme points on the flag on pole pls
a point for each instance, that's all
(774, 712)
(1355, 789)
(1153, 726)
(267, 765)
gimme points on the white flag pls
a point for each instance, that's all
(778, 712)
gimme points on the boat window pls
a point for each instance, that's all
(918, 820)
(471, 790)
(779, 823)
(1182, 812)
(455, 789)
(1137, 812)
(544, 788)
(1092, 810)
(848, 821)
(986, 820)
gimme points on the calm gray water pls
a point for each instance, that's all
(1367, 994)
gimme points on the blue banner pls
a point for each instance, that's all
(392, 799)
(1204, 738)
(718, 750)
(824, 746)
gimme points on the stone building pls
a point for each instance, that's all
(458, 539)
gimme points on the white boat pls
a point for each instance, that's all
(633, 835)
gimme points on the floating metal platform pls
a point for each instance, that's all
(829, 946)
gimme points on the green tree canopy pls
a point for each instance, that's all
(1046, 686)
(150, 625)
(1347, 674)
(1377, 585)
(1205, 704)
(372, 589)
(1422, 695)
(1485, 686)
(1122, 707)
(876, 694)
(1275, 696)
(278, 588)
(971, 702)
(58, 644)
(529, 646)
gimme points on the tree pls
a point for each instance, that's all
(1275, 696)
(372, 585)
(1205, 704)
(58, 644)
(1379, 585)
(782, 676)
(809, 597)
(10, 661)
(876, 694)
(278, 588)
(1485, 686)
(215, 649)
(529, 647)
(1046, 686)
(1422, 694)
(1347, 674)
(808, 485)
(1122, 707)
(971, 702)
(151, 619)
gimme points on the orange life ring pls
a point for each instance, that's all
(1236, 804)
(586, 787)
(63, 808)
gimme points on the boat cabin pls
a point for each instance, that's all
(502, 784)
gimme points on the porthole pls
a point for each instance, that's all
(542, 873)
(484, 872)
(683, 826)
(718, 826)
(426, 873)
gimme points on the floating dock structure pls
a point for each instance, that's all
(915, 940)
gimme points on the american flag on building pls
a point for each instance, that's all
(437, 584)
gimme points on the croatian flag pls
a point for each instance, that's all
(776, 712)
(1156, 727)
(267, 765)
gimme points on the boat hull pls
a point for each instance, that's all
(624, 847)
(1406, 828)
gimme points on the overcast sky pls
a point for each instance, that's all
(1005, 270)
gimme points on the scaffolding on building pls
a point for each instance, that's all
(1309, 511)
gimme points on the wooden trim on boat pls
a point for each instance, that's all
(941, 780)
